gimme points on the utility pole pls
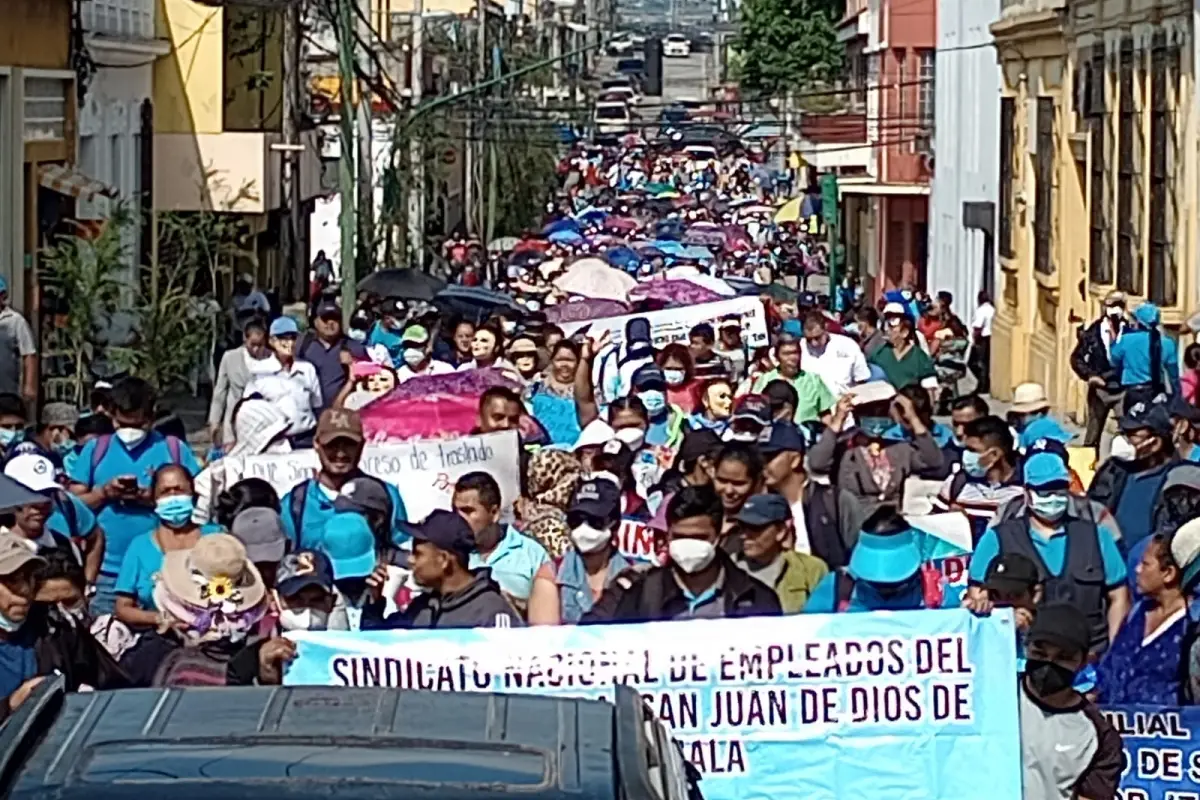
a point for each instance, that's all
(480, 137)
(346, 187)
(365, 254)
(416, 168)
(294, 269)
(493, 166)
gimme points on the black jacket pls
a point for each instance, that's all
(1090, 359)
(480, 605)
(655, 595)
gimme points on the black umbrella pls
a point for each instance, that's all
(475, 302)
(527, 258)
(406, 283)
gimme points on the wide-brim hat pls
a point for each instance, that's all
(885, 558)
(215, 574)
(1029, 398)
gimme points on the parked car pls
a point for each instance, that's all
(676, 45)
(626, 93)
(247, 743)
(612, 116)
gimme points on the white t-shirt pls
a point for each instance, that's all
(841, 364)
(434, 367)
(297, 391)
(982, 320)
(800, 523)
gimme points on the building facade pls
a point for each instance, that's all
(1098, 181)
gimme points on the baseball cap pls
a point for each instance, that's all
(1185, 550)
(806, 299)
(284, 326)
(1152, 416)
(261, 531)
(871, 392)
(34, 472)
(764, 509)
(302, 569)
(445, 530)
(649, 376)
(348, 541)
(416, 334)
(1011, 573)
(1061, 624)
(753, 408)
(792, 327)
(782, 437)
(1048, 445)
(16, 552)
(60, 415)
(328, 308)
(339, 423)
(1046, 471)
(697, 444)
(363, 494)
(594, 434)
(1180, 408)
(894, 309)
(596, 498)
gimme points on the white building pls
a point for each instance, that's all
(965, 187)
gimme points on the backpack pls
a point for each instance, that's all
(932, 591)
(174, 448)
(299, 499)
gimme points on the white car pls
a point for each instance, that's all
(612, 117)
(626, 93)
(676, 45)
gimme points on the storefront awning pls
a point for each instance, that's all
(70, 181)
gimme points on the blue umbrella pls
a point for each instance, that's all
(565, 237)
(697, 253)
(594, 215)
(623, 257)
(669, 229)
(564, 224)
(668, 247)
(475, 302)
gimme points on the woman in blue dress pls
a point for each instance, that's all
(551, 395)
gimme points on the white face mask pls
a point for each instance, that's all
(413, 356)
(633, 438)
(588, 539)
(1122, 450)
(131, 437)
(692, 555)
(1116, 312)
(303, 619)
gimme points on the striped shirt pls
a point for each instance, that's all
(978, 499)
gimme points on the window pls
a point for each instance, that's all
(925, 90)
(45, 108)
(1008, 110)
(1164, 71)
(1043, 210)
(1126, 233)
(1095, 112)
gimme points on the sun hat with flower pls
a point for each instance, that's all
(211, 587)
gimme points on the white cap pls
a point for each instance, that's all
(871, 392)
(1185, 547)
(595, 434)
(34, 472)
(895, 308)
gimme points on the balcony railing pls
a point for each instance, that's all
(124, 19)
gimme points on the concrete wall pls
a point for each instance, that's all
(188, 84)
(32, 33)
(968, 147)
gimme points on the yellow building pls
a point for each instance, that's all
(217, 115)
(1096, 110)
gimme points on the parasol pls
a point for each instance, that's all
(674, 292)
(581, 310)
(564, 224)
(591, 277)
(566, 237)
(406, 283)
(475, 302)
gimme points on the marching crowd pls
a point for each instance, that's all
(776, 477)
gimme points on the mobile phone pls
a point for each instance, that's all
(580, 336)
(127, 483)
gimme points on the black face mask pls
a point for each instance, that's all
(1046, 677)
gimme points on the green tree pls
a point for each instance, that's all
(785, 43)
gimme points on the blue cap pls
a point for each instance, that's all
(302, 569)
(1046, 470)
(885, 557)
(1147, 314)
(792, 327)
(445, 530)
(764, 509)
(1052, 446)
(284, 326)
(350, 545)
(781, 437)
(1044, 428)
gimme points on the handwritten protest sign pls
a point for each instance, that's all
(1162, 752)
(673, 324)
(424, 471)
(825, 707)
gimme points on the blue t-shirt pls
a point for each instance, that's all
(143, 560)
(18, 663)
(514, 562)
(1053, 552)
(557, 414)
(1130, 355)
(124, 521)
(1135, 505)
(85, 518)
(392, 340)
(864, 597)
(318, 510)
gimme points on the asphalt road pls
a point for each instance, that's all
(683, 78)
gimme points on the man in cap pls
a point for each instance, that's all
(1125, 487)
(1068, 749)
(260, 530)
(456, 596)
(1078, 558)
(887, 572)
(764, 525)
(1091, 362)
(331, 352)
(54, 436)
(18, 352)
(359, 572)
(816, 508)
(814, 400)
(294, 384)
(731, 348)
(1146, 360)
(416, 358)
(613, 367)
(1013, 581)
(389, 329)
(1186, 418)
(62, 521)
(665, 421)
(751, 416)
(304, 592)
(310, 504)
(18, 660)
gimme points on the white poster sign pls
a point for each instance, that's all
(424, 471)
(672, 324)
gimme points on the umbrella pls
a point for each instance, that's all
(759, 209)
(475, 302)
(581, 310)
(696, 253)
(591, 215)
(623, 257)
(566, 237)
(677, 293)
(503, 244)
(564, 224)
(407, 283)
(657, 188)
(621, 224)
(713, 284)
(790, 211)
(668, 247)
(670, 194)
(669, 229)
(591, 277)
(706, 238)
(526, 258)
(534, 245)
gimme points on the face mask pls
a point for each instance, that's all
(588, 539)
(63, 447)
(654, 400)
(413, 356)
(131, 437)
(175, 511)
(73, 615)
(8, 625)
(852, 328)
(8, 436)
(971, 464)
(1050, 507)
(633, 438)
(357, 335)
(303, 619)
(1047, 678)
(1115, 312)
(675, 376)
(874, 427)
(508, 327)
(1122, 450)
(692, 555)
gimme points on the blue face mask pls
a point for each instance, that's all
(9, 437)
(874, 427)
(654, 400)
(971, 464)
(175, 511)
(1050, 506)
(63, 447)
(7, 625)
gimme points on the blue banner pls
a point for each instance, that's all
(1162, 751)
(821, 707)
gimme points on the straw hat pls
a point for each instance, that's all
(1029, 398)
(215, 574)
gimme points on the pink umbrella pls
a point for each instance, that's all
(678, 293)
(621, 224)
(584, 310)
(432, 406)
